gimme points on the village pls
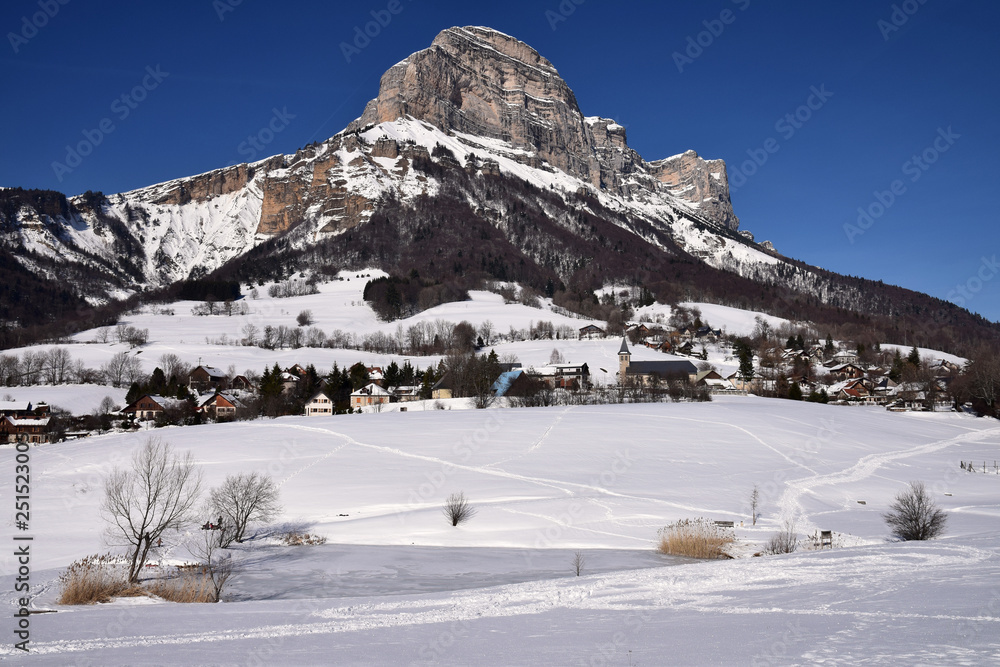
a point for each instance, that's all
(840, 374)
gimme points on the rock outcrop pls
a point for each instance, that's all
(481, 82)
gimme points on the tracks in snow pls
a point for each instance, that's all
(791, 507)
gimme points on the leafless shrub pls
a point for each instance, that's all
(296, 539)
(784, 541)
(697, 538)
(914, 516)
(217, 566)
(457, 508)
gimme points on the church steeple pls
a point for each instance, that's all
(624, 357)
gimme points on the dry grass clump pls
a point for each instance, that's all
(96, 579)
(296, 539)
(189, 584)
(695, 538)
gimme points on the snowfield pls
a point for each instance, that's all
(396, 585)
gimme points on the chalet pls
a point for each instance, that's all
(591, 331)
(370, 394)
(854, 391)
(297, 370)
(708, 333)
(22, 409)
(845, 357)
(564, 376)
(652, 371)
(221, 406)
(686, 348)
(637, 330)
(319, 405)
(206, 378)
(405, 393)
(150, 406)
(24, 429)
(289, 382)
(242, 383)
(739, 382)
(443, 388)
(845, 371)
(943, 367)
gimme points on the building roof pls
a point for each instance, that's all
(504, 382)
(624, 348)
(317, 395)
(212, 372)
(661, 368)
(370, 389)
(236, 403)
(15, 406)
(19, 421)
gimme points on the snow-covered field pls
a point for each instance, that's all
(77, 399)
(395, 584)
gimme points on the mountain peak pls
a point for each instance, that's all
(478, 81)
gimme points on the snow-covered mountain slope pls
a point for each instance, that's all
(473, 163)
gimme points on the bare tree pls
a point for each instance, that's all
(457, 508)
(305, 318)
(914, 516)
(157, 494)
(754, 504)
(58, 363)
(250, 333)
(116, 368)
(242, 499)
(486, 330)
(171, 365)
(107, 406)
(579, 561)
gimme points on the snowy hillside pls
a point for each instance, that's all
(395, 584)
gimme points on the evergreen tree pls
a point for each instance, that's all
(828, 348)
(896, 371)
(795, 392)
(914, 357)
(392, 375)
(800, 343)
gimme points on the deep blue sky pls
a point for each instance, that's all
(891, 93)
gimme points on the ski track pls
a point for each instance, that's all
(738, 428)
(561, 486)
(791, 507)
(684, 588)
(538, 443)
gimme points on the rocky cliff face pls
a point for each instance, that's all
(482, 82)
